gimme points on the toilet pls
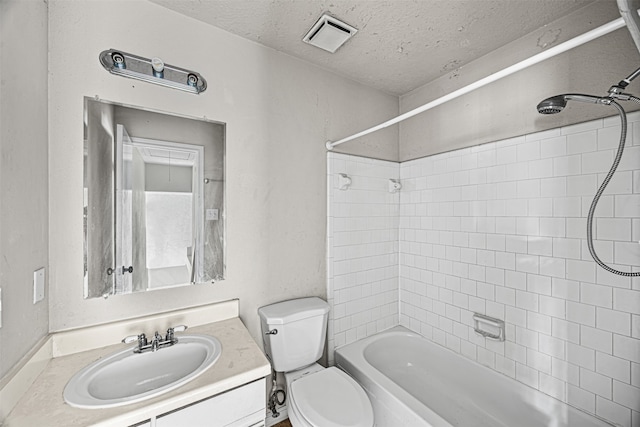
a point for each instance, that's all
(294, 335)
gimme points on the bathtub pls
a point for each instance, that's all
(414, 382)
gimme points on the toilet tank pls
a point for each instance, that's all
(294, 332)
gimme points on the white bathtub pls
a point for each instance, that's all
(414, 382)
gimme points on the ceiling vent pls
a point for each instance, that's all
(329, 33)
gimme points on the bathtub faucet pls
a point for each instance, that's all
(158, 341)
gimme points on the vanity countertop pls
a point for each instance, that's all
(241, 362)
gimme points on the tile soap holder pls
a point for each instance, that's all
(488, 327)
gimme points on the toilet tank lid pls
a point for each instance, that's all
(293, 310)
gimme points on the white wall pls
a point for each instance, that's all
(506, 108)
(500, 229)
(23, 175)
(362, 249)
(278, 113)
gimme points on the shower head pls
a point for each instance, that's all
(555, 104)
(552, 105)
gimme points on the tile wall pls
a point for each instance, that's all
(500, 229)
(362, 249)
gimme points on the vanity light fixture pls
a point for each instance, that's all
(152, 70)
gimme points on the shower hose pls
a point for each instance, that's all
(603, 186)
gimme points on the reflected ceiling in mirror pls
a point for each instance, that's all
(153, 200)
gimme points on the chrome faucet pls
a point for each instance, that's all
(158, 341)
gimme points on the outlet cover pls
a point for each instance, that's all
(38, 285)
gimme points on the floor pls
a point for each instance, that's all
(284, 423)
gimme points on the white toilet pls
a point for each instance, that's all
(294, 334)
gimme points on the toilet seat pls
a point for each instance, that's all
(331, 398)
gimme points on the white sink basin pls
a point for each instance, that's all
(126, 377)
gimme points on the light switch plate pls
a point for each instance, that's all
(38, 285)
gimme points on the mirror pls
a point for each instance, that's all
(153, 200)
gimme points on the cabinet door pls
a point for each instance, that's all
(243, 406)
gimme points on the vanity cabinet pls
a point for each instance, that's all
(244, 406)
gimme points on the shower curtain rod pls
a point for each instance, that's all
(549, 53)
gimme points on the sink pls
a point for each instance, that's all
(126, 377)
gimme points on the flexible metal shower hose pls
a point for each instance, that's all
(596, 198)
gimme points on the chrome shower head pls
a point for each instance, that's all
(552, 105)
(555, 104)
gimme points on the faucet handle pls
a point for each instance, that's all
(170, 331)
(130, 339)
(141, 339)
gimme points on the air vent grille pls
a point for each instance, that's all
(329, 33)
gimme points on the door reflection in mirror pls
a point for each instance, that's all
(154, 200)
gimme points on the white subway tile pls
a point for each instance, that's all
(596, 383)
(626, 348)
(627, 205)
(517, 244)
(609, 137)
(539, 284)
(626, 395)
(596, 295)
(528, 151)
(527, 300)
(581, 399)
(527, 375)
(552, 227)
(581, 313)
(505, 260)
(516, 280)
(527, 263)
(566, 248)
(596, 339)
(618, 229)
(539, 323)
(565, 371)
(567, 206)
(565, 289)
(626, 300)
(554, 267)
(611, 411)
(567, 165)
(627, 253)
(583, 271)
(539, 361)
(540, 245)
(540, 168)
(555, 307)
(553, 147)
(583, 142)
(553, 187)
(597, 162)
(582, 185)
(613, 367)
(581, 356)
(552, 346)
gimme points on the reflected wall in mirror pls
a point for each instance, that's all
(153, 200)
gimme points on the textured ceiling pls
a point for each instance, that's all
(400, 45)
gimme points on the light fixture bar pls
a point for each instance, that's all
(152, 70)
(549, 53)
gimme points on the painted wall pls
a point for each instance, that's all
(23, 176)
(278, 113)
(506, 108)
(500, 229)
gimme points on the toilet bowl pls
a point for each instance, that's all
(320, 397)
